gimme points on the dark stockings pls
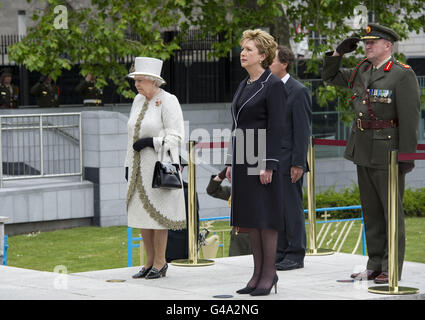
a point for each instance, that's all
(263, 245)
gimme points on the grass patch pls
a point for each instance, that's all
(94, 248)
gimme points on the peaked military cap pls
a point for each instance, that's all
(375, 31)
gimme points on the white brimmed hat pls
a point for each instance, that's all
(146, 66)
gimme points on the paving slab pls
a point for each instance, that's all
(316, 281)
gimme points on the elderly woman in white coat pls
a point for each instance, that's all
(155, 132)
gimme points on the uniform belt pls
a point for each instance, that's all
(376, 124)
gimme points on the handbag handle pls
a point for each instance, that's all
(162, 151)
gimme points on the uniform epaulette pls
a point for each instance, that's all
(405, 66)
(353, 74)
(388, 66)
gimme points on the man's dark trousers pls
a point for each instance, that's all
(292, 239)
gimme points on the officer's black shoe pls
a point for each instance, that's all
(289, 265)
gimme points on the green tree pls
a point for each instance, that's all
(229, 18)
(102, 34)
(331, 19)
(98, 37)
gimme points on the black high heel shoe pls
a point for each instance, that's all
(265, 292)
(142, 273)
(155, 273)
(245, 290)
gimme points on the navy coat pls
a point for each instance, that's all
(296, 126)
(255, 205)
(296, 133)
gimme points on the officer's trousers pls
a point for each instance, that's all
(373, 185)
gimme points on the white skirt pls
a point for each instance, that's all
(164, 209)
(138, 217)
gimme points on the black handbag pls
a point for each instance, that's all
(166, 175)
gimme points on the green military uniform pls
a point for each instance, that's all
(386, 104)
(46, 95)
(92, 96)
(9, 94)
(239, 241)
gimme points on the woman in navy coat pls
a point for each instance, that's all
(257, 111)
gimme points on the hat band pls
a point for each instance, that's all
(376, 35)
(141, 73)
(370, 37)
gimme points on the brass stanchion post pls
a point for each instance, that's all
(393, 287)
(312, 249)
(192, 260)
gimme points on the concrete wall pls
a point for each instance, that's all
(9, 13)
(340, 174)
(27, 202)
(104, 149)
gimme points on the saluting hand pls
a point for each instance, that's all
(347, 45)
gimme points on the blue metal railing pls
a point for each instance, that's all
(131, 245)
(358, 207)
(344, 220)
(6, 246)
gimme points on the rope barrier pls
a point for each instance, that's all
(211, 145)
(327, 142)
(411, 156)
(421, 147)
(401, 156)
(321, 142)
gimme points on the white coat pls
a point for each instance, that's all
(162, 119)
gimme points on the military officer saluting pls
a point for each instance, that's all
(8, 92)
(92, 96)
(386, 104)
(46, 93)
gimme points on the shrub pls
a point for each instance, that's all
(413, 202)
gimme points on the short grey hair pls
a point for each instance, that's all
(158, 82)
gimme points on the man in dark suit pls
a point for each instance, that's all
(297, 130)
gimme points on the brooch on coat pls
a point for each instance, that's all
(158, 102)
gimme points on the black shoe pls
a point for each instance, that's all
(245, 290)
(265, 292)
(142, 273)
(155, 273)
(289, 265)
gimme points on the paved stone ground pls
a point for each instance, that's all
(316, 281)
